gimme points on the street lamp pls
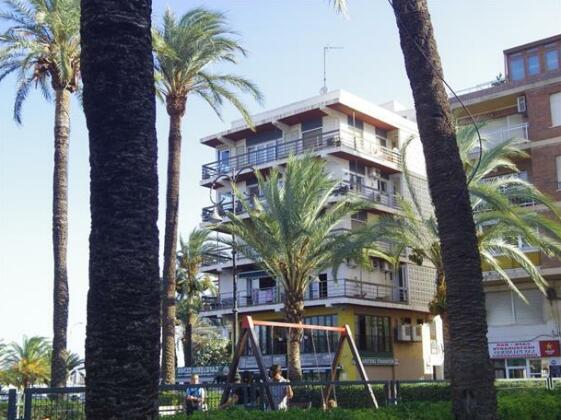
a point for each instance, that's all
(215, 217)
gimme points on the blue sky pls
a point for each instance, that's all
(285, 39)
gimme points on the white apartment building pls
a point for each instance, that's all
(360, 144)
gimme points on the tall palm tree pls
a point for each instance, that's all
(42, 47)
(191, 285)
(497, 221)
(297, 235)
(123, 328)
(472, 380)
(185, 48)
(27, 364)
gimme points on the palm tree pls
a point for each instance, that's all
(123, 324)
(185, 48)
(191, 285)
(295, 233)
(42, 47)
(497, 221)
(27, 364)
(472, 380)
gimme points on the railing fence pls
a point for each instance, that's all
(69, 403)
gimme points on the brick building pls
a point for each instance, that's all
(526, 105)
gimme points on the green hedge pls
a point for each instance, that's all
(526, 405)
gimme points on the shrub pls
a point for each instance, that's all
(525, 405)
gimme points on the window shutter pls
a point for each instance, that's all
(499, 308)
(532, 312)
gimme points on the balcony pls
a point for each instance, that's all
(368, 193)
(343, 288)
(222, 256)
(518, 132)
(508, 191)
(337, 140)
(375, 196)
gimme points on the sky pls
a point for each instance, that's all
(285, 39)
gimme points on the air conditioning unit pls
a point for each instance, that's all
(404, 332)
(521, 103)
(418, 332)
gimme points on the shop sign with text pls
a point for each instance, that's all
(516, 349)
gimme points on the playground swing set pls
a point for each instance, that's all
(248, 333)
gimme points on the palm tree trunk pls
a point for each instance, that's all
(473, 393)
(123, 329)
(446, 341)
(188, 343)
(294, 311)
(170, 245)
(60, 237)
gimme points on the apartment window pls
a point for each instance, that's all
(558, 167)
(357, 167)
(382, 136)
(373, 334)
(551, 59)
(555, 108)
(530, 313)
(517, 67)
(533, 60)
(357, 126)
(499, 308)
(507, 308)
(316, 341)
(252, 188)
(262, 153)
(359, 219)
(224, 160)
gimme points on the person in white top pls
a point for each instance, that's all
(281, 393)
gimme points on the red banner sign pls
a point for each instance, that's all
(550, 348)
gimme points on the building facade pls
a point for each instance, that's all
(524, 340)
(386, 309)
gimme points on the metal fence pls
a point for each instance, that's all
(69, 403)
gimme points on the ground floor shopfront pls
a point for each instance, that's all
(393, 344)
(526, 359)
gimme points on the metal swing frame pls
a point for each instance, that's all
(248, 332)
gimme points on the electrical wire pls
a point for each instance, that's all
(439, 76)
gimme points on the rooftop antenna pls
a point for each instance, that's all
(323, 90)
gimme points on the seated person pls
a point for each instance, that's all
(252, 389)
(195, 397)
(237, 397)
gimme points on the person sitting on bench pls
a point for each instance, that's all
(195, 397)
(237, 394)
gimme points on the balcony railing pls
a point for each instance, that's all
(345, 187)
(337, 138)
(223, 255)
(369, 193)
(519, 131)
(478, 87)
(343, 288)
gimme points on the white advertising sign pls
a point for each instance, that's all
(510, 350)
